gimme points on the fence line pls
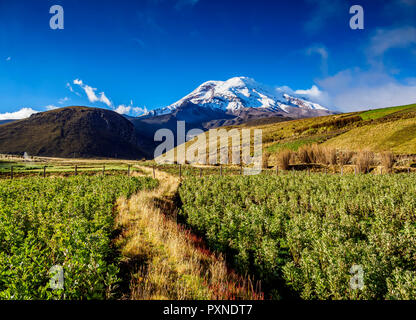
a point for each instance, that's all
(222, 171)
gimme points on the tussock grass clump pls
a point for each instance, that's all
(387, 160)
(283, 159)
(311, 154)
(265, 160)
(345, 157)
(318, 154)
(303, 154)
(331, 156)
(364, 160)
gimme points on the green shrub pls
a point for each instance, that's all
(58, 221)
(308, 231)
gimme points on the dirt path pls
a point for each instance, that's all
(163, 260)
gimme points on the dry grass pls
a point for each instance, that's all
(364, 160)
(283, 159)
(331, 156)
(303, 154)
(345, 157)
(265, 160)
(318, 154)
(311, 154)
(165, 260)
(387, 160)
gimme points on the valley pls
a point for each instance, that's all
(335, 193)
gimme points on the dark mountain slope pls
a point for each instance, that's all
(72, 132)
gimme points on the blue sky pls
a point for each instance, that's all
(127, 55)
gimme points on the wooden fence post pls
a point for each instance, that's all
(76, 170)
(11, 172)
(220, 170)
(342, 171)
(180, 171)
(103, 169)
(200, 172)
(277, 170)
(44, 171)
(241, 169)
(128, 171)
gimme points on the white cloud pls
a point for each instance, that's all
(8, 58)
(130, 110)
(385, 39)
(105, 100)
(354, 89)
(323, 52)
(63, 100)
(137, 111)
(122, 109)
(21, 114)
(90, 92)
(313, 92)
(51, 107)
(101, 97)
(72, 89)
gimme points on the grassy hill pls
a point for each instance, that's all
(388, 129)
(71, 132)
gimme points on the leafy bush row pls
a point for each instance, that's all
(66, 222)
(306, 232)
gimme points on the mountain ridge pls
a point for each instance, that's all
(237, 93)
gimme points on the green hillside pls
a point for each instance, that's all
(388, 129)
(397, 136)
(379, 113)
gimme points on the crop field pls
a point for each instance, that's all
(64, 222)
(39, 167)
(305, 236)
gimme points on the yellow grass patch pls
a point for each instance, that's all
(164, 258)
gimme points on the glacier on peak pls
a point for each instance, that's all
(238, 93)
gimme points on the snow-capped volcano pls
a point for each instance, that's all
(237, 93)
(226, 103)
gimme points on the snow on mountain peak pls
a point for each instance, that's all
(237, 93)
